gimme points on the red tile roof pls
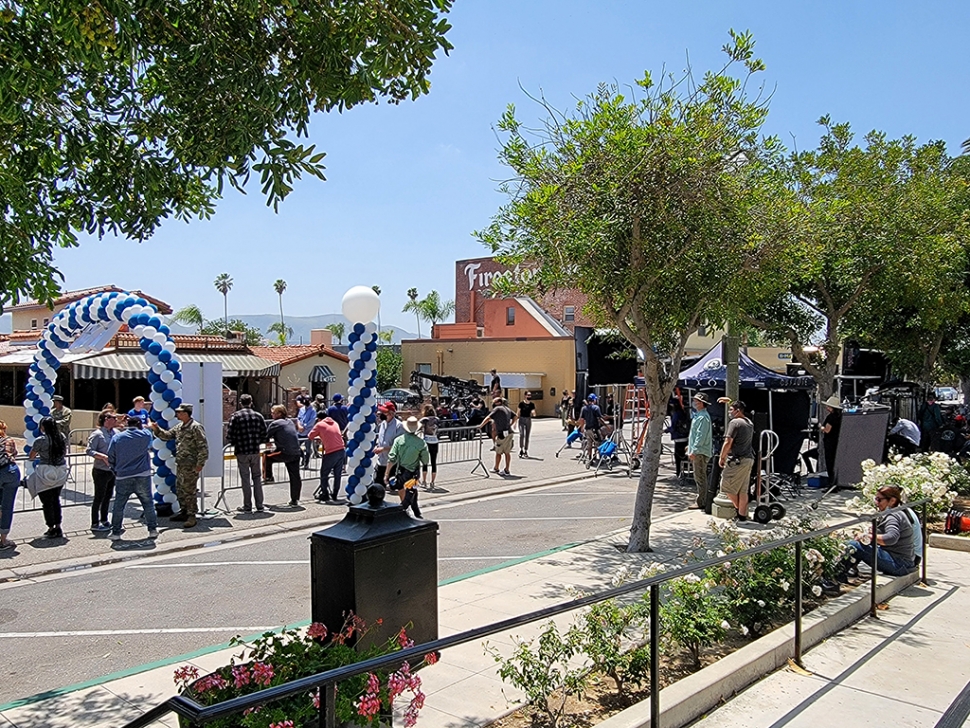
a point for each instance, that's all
(290, 354)
(71, 296)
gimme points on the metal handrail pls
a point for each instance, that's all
(327, 681)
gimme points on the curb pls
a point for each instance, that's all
(952, 543)
(65, 566)
(691, 697)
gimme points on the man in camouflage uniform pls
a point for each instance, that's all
(191, 452)
(61, 415)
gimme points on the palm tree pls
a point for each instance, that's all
(385, 336)
(433, 309)
(377, 290)
(282, 331)
(190, 315)
(280, 286)
(223, 284)
(337, 330)
(413, 306)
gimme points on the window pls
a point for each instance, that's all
(569, 314)
(33, 323)
(46, 321)
(510, 316)
(702, 330)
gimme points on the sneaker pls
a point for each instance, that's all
(260, 509)
(495, 470)
(152, 533)
(49, 533)
(293, 504)
(7, 545)
(243, 509)
(115, 536)
(101, 528)
(106, 524)
(506, 472)
(180, 516)
(268, 480)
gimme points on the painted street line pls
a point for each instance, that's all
(193, 564)
(114, 632)
(624, 517)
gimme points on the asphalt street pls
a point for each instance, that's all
(68, 628)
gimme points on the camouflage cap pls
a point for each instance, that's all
(186, 408)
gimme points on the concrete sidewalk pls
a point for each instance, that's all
(463, 689)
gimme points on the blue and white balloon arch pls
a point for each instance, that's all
(88, 325)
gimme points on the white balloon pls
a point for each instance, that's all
(167, 376)
(360, 304)
(37, 418)
(175, 385)
(168, 414)
(370, 329)
(170, 498)
(160, 337)
(148, 332)
(356, 500)
(360, 489)
(367, 480)
(127, 314)
(152, 359)
(169, 346)
(158, 443)
(158, 367)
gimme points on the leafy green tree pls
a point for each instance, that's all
(283, 330)
(871, 249)
(190, 315)
(115, 116)
(251, 335)
(430, 308)
(644, 206)
(223, 284)
(337, 329)
(413, 306)
(389, 366)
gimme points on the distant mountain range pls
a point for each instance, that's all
(301, 326)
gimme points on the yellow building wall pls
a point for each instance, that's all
(555, 358)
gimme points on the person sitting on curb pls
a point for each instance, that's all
(894, 535)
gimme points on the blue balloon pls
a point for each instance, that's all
(154, 347)
(366, 392)
(142, 302)
(173, 366)
(365, 355)
(371, 418)
(145, 343)
(170, 481)
(168, 395)
(164, 329)
(366, 427)
(44, 411)
(154, 322)
(358, 365)
(366, 462)
(163, 470)
(173, 403)
(159, 386)
(359, 471)
(358, 403)
(29, 421)
(165, 356)
(359, 329)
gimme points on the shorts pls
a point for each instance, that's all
(503, 445)
(735, 476)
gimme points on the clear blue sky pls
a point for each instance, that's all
(408, 184)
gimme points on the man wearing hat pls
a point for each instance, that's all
(61, 415)
(339, 413)
(700, 449)
(408, 453)
(502, 420)
(388, 431)
(191, 453)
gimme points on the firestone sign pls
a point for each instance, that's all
(474, 281)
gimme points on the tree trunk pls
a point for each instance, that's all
(649, 469)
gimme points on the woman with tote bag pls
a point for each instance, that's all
(50, 473)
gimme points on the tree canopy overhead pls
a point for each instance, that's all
(119, 114)
(646, 205)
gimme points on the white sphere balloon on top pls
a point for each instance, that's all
(360, 304)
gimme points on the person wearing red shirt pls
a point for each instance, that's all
(327, 431)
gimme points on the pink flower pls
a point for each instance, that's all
(240, 676)
(369, 705)
(373, 684)
(431, 658)
(315, 696)
(403, 641)
(262, 673)
(282, 724)
(317, 630)
(215, 681)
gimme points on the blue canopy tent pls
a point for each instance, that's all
(785, 400)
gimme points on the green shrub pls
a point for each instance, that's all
(694, 614)
(612, 637)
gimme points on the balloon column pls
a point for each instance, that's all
(360, 305)
(87, 325)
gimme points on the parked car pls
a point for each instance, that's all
(948, 394)
(398, 396)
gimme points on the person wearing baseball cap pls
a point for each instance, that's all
(191, 453)
(700, 449)
(339, 413)
(388, 431)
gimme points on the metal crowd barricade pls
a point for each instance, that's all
(78, 491)
(326, 682)
(461, 445)
(231, 480)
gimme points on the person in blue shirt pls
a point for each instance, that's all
(129, 459)
(339, 413)
(306, 418)
(700, 449)
(138, 410)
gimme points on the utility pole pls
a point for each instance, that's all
(731, 345)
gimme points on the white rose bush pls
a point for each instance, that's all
(935, 476)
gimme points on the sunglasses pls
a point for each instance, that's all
(880, 499)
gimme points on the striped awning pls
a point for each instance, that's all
(132, 365)
(322, 373)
